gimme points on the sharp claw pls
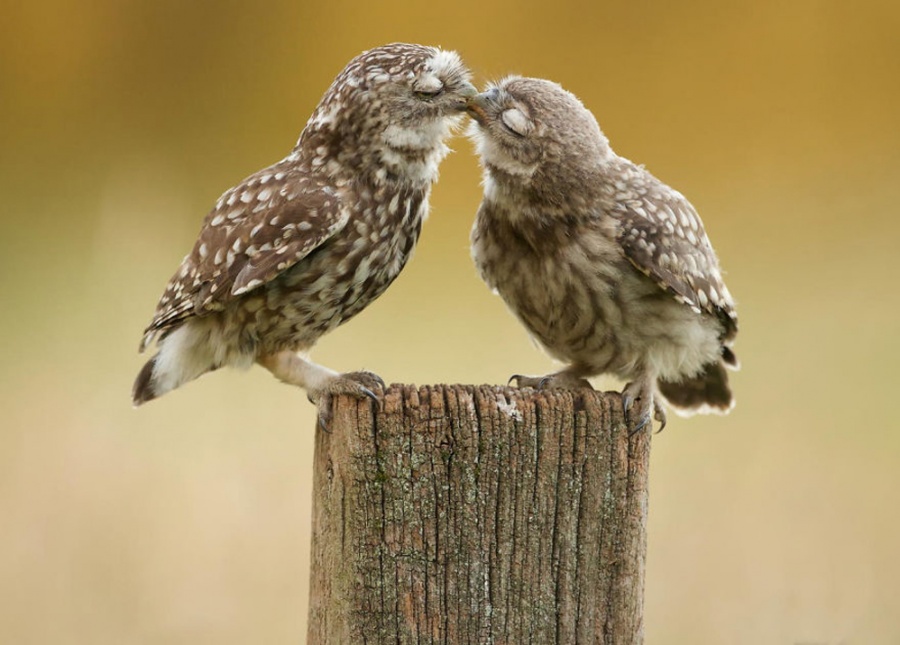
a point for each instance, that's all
(514, 377)
(659, 414)
(640, 426)
(543, 383)
(325, 412)
(662, 424)
(369, 393)
(627, 401)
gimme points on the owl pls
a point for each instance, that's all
(608, 268)
(302, 246)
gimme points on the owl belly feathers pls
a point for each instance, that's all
(581, 299)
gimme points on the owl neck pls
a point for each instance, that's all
(385, 161)
(545, 194)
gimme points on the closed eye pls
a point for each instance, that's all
(428, 94)
(516, 122)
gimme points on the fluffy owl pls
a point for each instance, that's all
(304, 245)
(607, 267)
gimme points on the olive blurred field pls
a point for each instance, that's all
(187, 521)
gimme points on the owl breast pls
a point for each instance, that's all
(586, 305)
(340, 278)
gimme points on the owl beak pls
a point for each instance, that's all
(466, 92)
(478, 104)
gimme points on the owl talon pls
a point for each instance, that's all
(367, 382)
(638, 405)
(659, 413)
(641, 424)
(325, 412)
(559, 381)
(522, 381)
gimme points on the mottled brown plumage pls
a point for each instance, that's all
(300, 247)
(606, 266)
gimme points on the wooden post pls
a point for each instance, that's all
(460, 514)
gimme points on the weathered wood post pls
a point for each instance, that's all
(460, 514)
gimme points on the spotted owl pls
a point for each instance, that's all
(302, 246)
(607, 267)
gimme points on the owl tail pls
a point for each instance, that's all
(707, 392)
(143, 389)
(183, 355)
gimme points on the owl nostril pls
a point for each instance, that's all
(492, 94)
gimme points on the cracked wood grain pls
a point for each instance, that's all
(479, 514)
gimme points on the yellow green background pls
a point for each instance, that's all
(187, 521)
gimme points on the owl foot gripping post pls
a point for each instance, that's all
(302, 246)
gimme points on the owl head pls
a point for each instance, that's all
(530, 131)
(391, 106)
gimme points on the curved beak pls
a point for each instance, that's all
(477, 105)
(466, 92)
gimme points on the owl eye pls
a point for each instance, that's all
(428, 88)
(428, 94)
(516, 122)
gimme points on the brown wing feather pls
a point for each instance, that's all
(258, 229)
(663, 237)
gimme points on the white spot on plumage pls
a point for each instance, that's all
(324, 116)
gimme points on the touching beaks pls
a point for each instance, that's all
(465, 92)
(477, 104)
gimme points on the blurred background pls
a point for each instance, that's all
(188, 520)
